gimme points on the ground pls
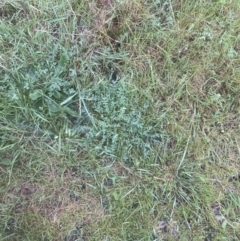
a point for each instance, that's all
(119, 120)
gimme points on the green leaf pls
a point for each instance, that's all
(6, 162)
(36, 94)
(71, 112)
(224, 224)
(52, 106)
(116, 196)
(68, 99)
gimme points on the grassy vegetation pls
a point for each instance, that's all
(119, 120)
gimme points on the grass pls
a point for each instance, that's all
(119, 120)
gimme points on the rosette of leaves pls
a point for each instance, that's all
(114, 125)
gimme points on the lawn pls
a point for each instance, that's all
(119, 120)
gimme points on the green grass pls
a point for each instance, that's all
(119, 120)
